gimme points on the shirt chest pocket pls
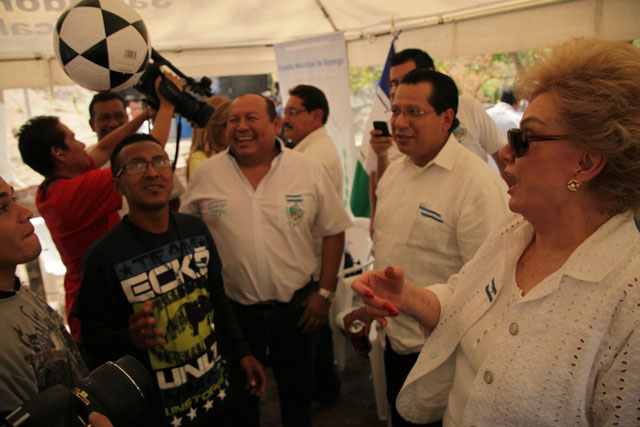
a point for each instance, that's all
(296, 210)
(431, 231)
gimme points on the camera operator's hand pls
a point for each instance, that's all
(143, 334)
(256, 380)
(99, 420)
(164, 115)
(171, 77)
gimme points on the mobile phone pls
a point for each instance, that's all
(380, 125)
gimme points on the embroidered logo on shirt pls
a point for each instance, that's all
(491, 290)
(429, 213)
(295, 213)
(460, 132)
(217, 207)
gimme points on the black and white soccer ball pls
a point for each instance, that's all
(102, 45)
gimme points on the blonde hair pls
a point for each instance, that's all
(596, 85)
(203, 139)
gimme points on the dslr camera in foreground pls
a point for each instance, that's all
(117, 390)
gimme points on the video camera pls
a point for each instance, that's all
(116, 390)
(188, 105)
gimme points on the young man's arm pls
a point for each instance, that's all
(101, 152)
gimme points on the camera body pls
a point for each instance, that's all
(192, 109)
(117, 390)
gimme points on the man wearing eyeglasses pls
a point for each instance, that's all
(76, 199)
(305, 115)
(152, 287)
(435, 207)
(475, 131)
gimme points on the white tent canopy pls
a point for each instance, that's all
(212, 37)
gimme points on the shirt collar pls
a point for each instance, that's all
(308, 140)
(16, 288)
(599, 253)
(445, 158)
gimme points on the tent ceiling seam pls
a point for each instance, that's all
(326, 15)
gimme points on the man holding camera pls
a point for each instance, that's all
(76, 198)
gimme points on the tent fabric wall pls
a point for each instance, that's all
(220, 38)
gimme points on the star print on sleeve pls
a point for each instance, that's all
(176, 422)
(192, 414)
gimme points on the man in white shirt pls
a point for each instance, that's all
(475, 131)
(305, 115)
(436, 205)
(505, 113)
(261, 202)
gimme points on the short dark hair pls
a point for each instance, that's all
(128, 140)
(444, 93)
(418, 56)
(104, 97)
(35, 139)
(312, 99)
(271, 108)
(270, 105)
(508, 96)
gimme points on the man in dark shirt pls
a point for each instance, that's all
(152, 287)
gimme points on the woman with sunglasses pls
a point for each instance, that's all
(542, 326)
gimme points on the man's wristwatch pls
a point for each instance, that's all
(327, 294)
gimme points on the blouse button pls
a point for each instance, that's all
(513, 328)
(488, 377)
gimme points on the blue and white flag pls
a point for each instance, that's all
(360, 203)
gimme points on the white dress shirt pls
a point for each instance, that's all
(319, 146)
(505, 117)
(431, 220)
(264, 235)
(567, 353)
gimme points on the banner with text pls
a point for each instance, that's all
(322, 62)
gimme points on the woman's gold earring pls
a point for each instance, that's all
(573, 185)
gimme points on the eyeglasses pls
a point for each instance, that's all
(519, 142)
(412, 113)
(139, 166)
(293, 111)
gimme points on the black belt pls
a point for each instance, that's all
(298, 295)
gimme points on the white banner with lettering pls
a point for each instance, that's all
(322, 62)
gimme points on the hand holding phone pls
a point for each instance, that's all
(381, 126)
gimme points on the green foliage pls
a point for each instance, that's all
(364, 79)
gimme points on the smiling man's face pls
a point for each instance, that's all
(251, 132)
(150, 189)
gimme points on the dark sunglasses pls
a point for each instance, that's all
(519, 142)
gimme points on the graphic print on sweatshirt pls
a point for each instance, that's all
(190, 373)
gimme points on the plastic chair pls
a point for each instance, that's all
(358, 243)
